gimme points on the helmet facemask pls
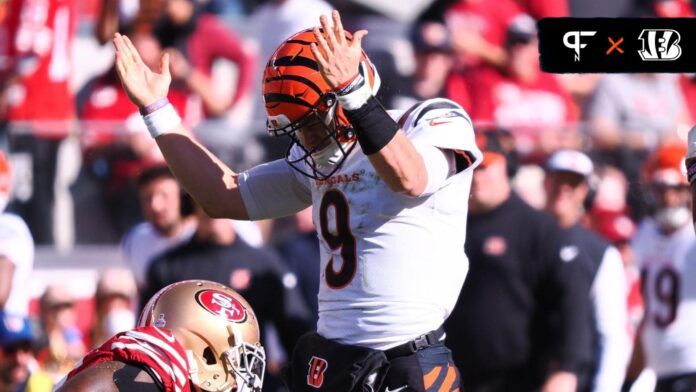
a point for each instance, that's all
(325, 155)
(239, 368)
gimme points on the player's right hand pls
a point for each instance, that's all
(142, 85)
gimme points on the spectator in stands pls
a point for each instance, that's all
(40, 106)
(521, 98)
(665, 250)
(116, 146)
(16, 252)
(300, 251)
(434, 58)
(216, 253)
(520, 322)
(629, 115)
(133, 16)
(187, 34)
(59, 321)
(19, 370)
(168, 223)
(569, 182)
(116, 304)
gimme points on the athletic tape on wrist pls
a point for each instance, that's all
(691, 144)
(373, 126)
(162, 120)
(354, 95)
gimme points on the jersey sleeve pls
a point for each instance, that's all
(444, 124)
(274, 190)
(16, 243)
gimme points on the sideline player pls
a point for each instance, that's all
(192, 335)
(389, 192)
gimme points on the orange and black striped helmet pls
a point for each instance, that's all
(296, 95)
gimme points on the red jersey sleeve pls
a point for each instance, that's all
(150, 347)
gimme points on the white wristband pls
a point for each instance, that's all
(162, 120)
(356, 98)
(692, 144)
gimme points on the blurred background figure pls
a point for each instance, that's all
(64, 341)
(520, 323)
(168, 222)
(629, 116)
(299, 247)
(217, 253)
(39, 105)
(117, 147)
(570, 186)
(116, 302)
(518, 96)
(16, 251)
(665, 251)
(19, 369)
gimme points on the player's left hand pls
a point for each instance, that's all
(142, 85)
(338, 59)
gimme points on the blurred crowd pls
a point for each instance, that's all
(588, 164)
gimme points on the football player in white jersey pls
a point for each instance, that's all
(389, 192)
(665, 250)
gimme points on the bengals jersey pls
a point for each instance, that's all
(151, 348)
(392, 265)
(668, 274)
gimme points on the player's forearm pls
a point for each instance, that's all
(400, 166)
(207, 179)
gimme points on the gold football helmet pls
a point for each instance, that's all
(217, 328)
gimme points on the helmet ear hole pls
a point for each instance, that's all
(209, 356)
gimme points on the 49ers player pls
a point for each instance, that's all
(665, 250)
(193, 335)
(389, 192)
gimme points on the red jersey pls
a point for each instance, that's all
(37, 47)
(151, 347)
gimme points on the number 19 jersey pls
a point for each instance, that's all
(668, 278)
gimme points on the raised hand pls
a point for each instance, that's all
(337, 58)
(142, 85)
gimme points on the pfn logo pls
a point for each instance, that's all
(317, 367)
(572, 40)
(660, 45)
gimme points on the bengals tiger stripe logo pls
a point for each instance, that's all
(315, 376)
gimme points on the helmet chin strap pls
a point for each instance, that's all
(673, 218)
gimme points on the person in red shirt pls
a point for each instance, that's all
(521, 98)
(195, 40)
(39, 106)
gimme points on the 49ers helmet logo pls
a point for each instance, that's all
(222, 305)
